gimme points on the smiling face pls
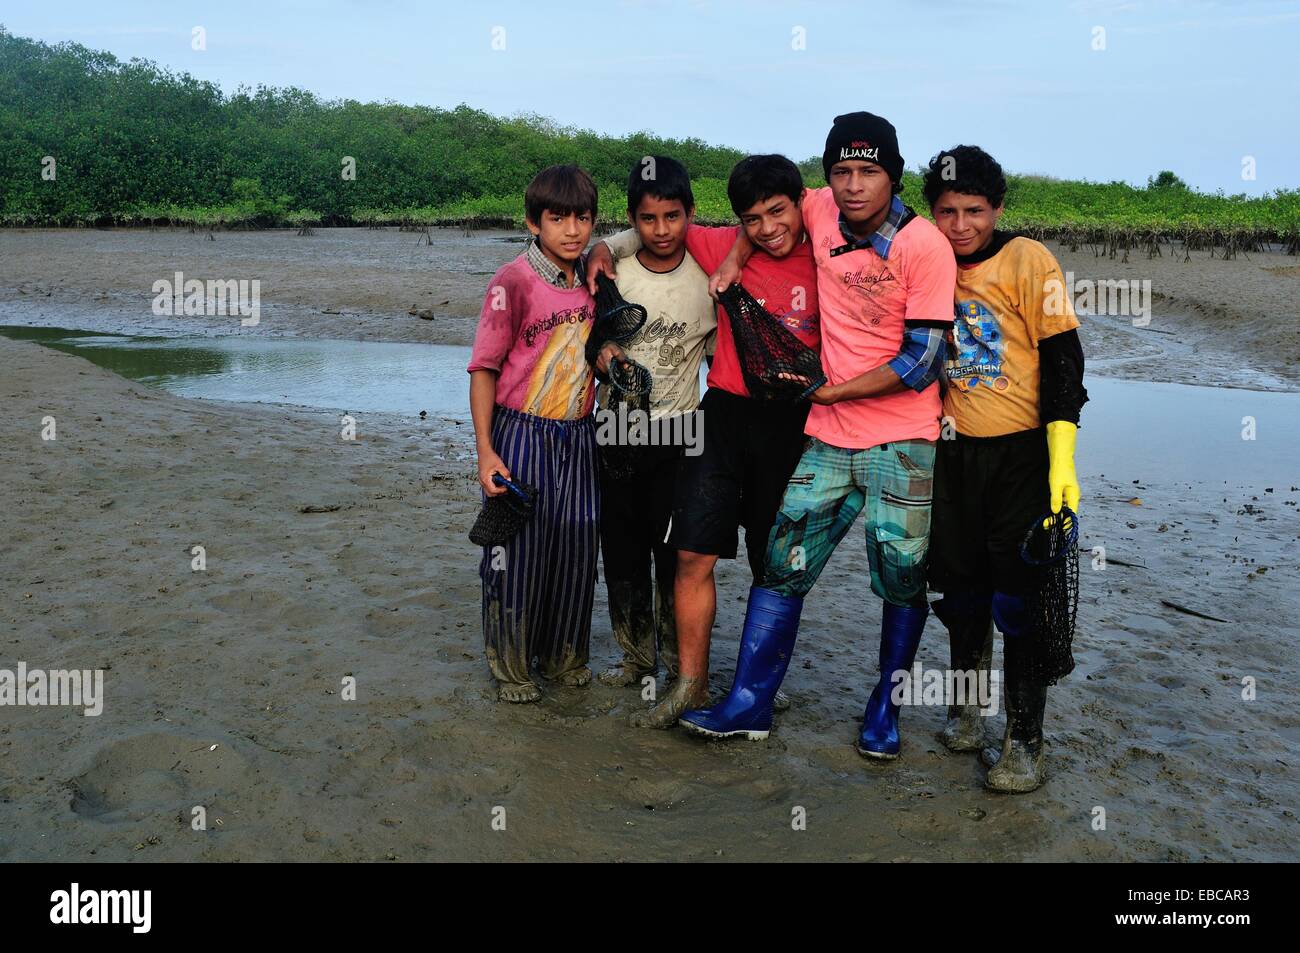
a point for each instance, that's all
(774, 224)
(862, 191)
(563, 237)
(967, 221)
(662, 224)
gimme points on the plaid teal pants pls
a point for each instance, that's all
(829, 488)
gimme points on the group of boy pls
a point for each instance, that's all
(857, 275)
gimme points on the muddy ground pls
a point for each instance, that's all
(223, 687)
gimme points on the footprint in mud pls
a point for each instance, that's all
(273, 605)
(142, 775)
(657, 794)
(1146, 628)
(244, 600)
(385, 624)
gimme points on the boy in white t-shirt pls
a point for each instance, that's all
(637, 496)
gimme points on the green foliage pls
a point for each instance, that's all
(135, 143)
(1165, 180)
(302, 217)
(134, 140)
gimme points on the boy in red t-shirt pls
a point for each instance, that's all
(749, 446)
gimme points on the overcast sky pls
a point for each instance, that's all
(1095, 89)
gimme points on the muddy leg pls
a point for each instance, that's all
(1019, 767)
(625, 542)
(631, 615)
(686, 693)
(666, 609)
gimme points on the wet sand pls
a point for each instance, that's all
(1234, 323)
(249, 655)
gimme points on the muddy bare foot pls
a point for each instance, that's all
(685, 694)
(574, 678)
(620, 676)
(518, 694)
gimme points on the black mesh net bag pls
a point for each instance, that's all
(630, 380)
(616, 319)
(1051, 548)
(776, 364)
(503, 516)
(629, 388)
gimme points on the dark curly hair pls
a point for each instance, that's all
(968, 170)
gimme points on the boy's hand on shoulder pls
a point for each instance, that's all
(599, 262)
(728, 273)
(488, 464)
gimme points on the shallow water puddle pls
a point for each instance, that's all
(354, 376)
(1132, 430)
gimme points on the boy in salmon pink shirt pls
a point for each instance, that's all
(885, 279)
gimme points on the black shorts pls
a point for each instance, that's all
(988, 491)
(750, 448)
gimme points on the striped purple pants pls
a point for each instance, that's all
(538, 588)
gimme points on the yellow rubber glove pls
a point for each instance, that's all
(1061, 478)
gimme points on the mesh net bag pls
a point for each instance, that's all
(503, 516)
(776, 365)
(621, 462)
(630, 380)
(629, 383)
(1051, 547)
(616, 319)
(629, 388)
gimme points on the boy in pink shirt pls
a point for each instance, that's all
(885, 281)
(531, 394)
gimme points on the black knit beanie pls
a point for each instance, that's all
(867, 137)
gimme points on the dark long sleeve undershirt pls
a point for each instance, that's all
(1061, 394)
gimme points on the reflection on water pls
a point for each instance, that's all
(1162, 433)
(345, 375)
(1132, 430)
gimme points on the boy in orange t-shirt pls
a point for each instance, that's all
(1014, 368)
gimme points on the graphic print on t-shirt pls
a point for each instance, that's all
(869, 285)
(872, 284)
(799, 322)
(975, 348)
(662, 335)
(563, 360)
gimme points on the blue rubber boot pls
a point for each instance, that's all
(900, 634)
(771, 626)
